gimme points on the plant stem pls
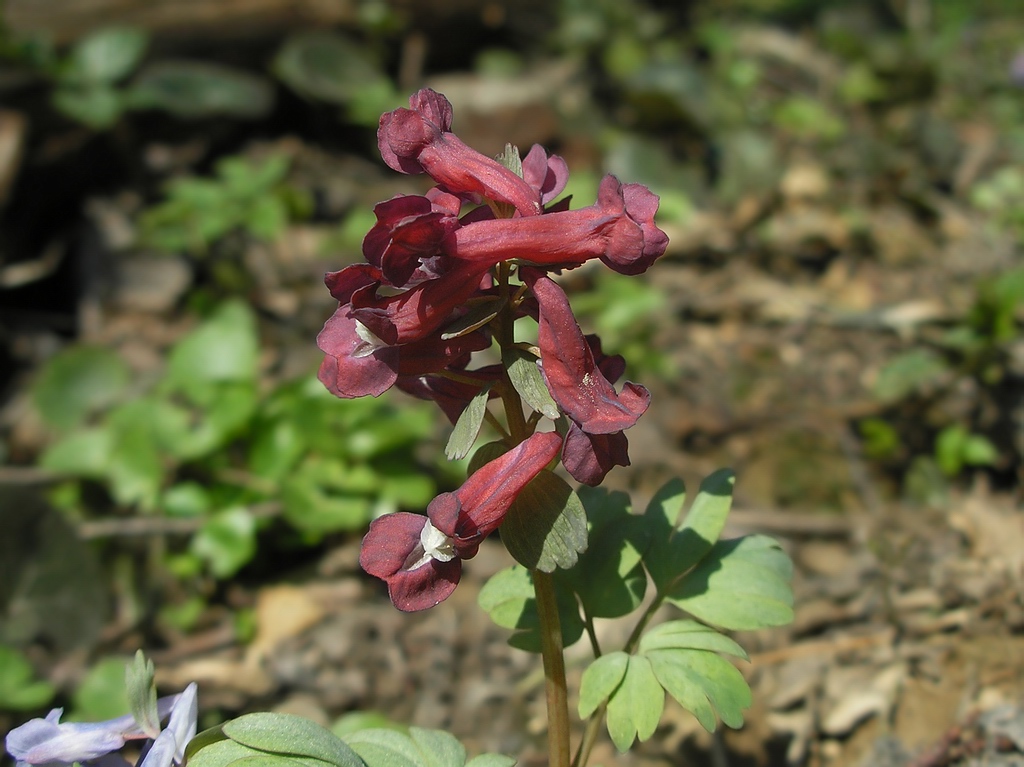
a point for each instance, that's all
(543, 584)
(554, 669)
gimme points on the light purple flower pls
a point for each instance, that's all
(49, 742)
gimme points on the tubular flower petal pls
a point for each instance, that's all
(418, 140)
(619, 229)
(572, 375)
(420, 558)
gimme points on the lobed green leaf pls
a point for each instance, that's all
(635, 707)
(600, 680)
(741, 584)
(689, 635)
(703, 683)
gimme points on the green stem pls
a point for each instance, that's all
(543, 584)
(554, 669)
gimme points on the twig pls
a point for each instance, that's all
(157, 525)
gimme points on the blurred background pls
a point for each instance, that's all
(839, 317)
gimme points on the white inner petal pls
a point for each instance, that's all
(436, 544)
(370, 342)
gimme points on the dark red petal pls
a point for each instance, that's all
(444, 513)
(417, 312)
(589, 457)
(346, 375)
(347, 281)
(426, 586)
(573, 377)
(389, 542)
(432, 355)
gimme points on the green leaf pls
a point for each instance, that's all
(136, 469)
(327, 66)
(666, 506)
(700, 529)
(440, 749)
(689, 635)
(508, 597)
(491, 760)
(186, 499)
(101, 693)
(955, 448)
(467, 427)
(224, 348)
(546, 526)
(227, 541)
(743, 583)
(610, 580)
(19, 688)
(96, 106)
(661, 517)
(84, 454)
(635, 707)
(909, 373)
(529, 382)
(977, 450)
(420, 748)
(323, 495)
(193, 89)
(228, 753)
(141, 689)
(703, 683)
(291, 735)
(362, 720)
(600, 680)
(78, 382)
(105, 56)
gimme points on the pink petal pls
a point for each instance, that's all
(346, 375)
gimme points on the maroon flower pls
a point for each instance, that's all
(571, 372)
(408, 234)
(420, 558)
(417, 312)
(358, 363)
(418, 140)
(619, 229)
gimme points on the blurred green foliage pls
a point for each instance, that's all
(205, 439)
(244, 195)
(20, 690)
(974, 354)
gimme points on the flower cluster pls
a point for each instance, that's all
(54, 744)
(433, 291)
